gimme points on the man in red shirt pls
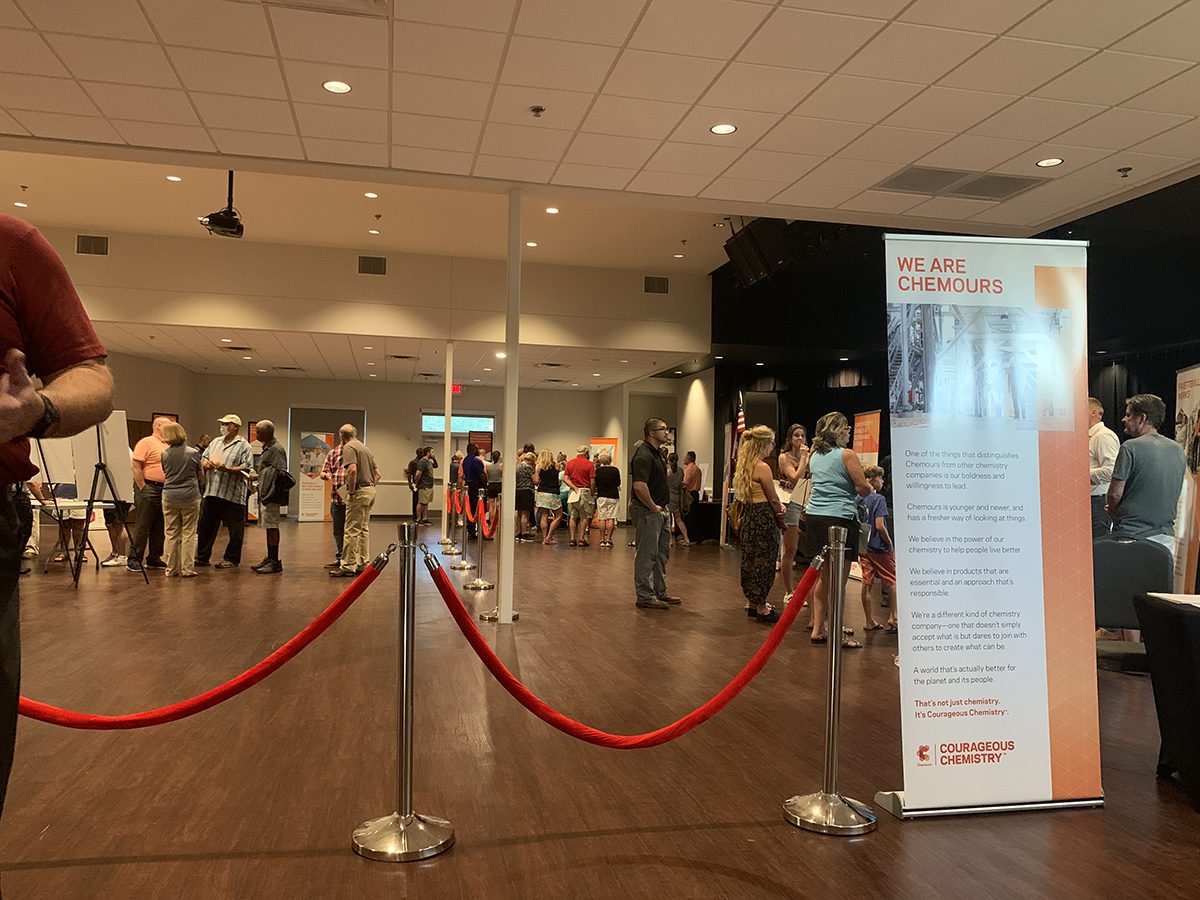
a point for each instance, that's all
(44, 331)
(581, 476)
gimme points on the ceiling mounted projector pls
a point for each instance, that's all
(225, 222)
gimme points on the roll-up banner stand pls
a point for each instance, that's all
(1187, 521)
(987, 359)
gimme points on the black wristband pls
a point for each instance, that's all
(49, 419)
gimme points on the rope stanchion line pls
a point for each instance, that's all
(472, 517)
(489, 528)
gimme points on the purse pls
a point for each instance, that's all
(685, 501)
(734, 516)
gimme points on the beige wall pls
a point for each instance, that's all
(695, 419)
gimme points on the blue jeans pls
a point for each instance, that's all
(653, 531)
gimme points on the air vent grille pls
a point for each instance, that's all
(91, 245)
(372, 265)
(288, 369)
(656, 284)
(399, 356)
(231, 347)
(556, 381)
(954, 183)
(994, 187)
(550, 365)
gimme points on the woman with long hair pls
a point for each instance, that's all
(794, 478)
(674, 489)
(762, 519)
(549, 503)
(837, 483)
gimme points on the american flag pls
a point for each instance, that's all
(741, 417)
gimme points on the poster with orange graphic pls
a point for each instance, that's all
(866, 437)
(987, 361)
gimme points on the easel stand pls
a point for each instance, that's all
(101, 469)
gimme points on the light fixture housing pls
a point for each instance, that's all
(226, 340)
(552, 210)
(760, 364)
(372, 231)
(337, 87)
(723, 128)
(531, 243)
(175, 179)
(21, 204)
(371, 195)
(1049, 163)
(501, 355)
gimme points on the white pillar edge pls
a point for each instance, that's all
(506, 533)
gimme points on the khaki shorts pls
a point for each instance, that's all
(425, 495)
(268, 515)
(584, 506)
(607, 508)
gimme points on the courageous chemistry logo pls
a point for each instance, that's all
(923, 755)
(966, 753)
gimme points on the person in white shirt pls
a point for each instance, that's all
(1103, 445)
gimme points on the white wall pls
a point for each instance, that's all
(695, 419)
(614, 416)
(144, 387)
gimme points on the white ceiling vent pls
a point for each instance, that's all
(954, 183)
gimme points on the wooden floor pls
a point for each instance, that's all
(257, 798)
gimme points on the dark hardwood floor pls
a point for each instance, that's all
(257, 798)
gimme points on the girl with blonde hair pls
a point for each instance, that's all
(762, 520)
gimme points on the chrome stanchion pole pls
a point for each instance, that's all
(479, 583)
(405, 835)
(464, 564)
(449, 548)
(827, 811)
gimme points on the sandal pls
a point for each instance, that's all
(875, 627)
(819, 640)
(751, 611)
(851, 644)
(847, 630)
(892, 629)
(772, 615)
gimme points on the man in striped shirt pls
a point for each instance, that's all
(334, 472)
(225, 464)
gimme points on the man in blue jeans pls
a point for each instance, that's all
(651, 519)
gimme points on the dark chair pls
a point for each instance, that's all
(1122, 569)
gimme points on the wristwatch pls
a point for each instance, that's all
(49, 419)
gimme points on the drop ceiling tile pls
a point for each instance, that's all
(433, 96)
(761, 88)
(579, 20)
(153, 134)
(1063, 193)
(564, 109)
(541, 62)
(245, 113)
(948, 109)
(369, 87)
(112, 18)
(747, 189)
(421, 159)
(361, 125)
(228, 73)
(884, 143)
(234, 27)
(11, 17)
(1179, 95)
(1145, 168)
(814, 196)
(1119, 128)
(669, 183)
(1172, 35)
(750, 126)
(1010, 66)
(434, 133)
(1081, 22)
(904, 52)
(9, 125)
(769, 165)
(451, 52)
(102, 59)
(950, 208)
(65, 127)
(1110, 77)
(974, 153)
(331, 38)
(818, 137)
(611, 150)
(250, 143)
(633, 118)
(1074, 158)
(147, 104)
(857, 99)
(809, 40)
(1179, 141)
(708, 28)
(26, 52)
(989, 18)
(661, 76)
(692, 159)
(532, 170)
(1035, 119)
(850, 173)
(492, 15)
(354, 153)
(580, 175)
(56, 95)
(877, 9)
(524, 142)
(883, 202)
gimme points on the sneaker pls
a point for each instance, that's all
(114, 561)
(29, 553)
(652, 604)
(269, 567)
(226, 564)
(262, 562)
(155, 564)
(336, 564)
(133, 565)
(343, 573)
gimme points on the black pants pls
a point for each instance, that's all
(213, 512)
(12, 543)
(690, 519)
(1101, 523)
(472, 498)
(337, 512)
(148, 528)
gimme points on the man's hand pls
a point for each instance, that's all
(20, 405)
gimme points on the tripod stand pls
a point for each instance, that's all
(101, 469)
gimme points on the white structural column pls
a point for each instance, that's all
(447, 409)
(512, 376)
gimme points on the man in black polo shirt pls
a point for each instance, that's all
(651, 519)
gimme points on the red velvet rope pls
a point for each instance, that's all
(575, 729)
(448, 501)
(489, 528)
(69, 719)
(458, 503)
(472, 518)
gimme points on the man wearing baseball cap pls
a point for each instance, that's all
(225, 464)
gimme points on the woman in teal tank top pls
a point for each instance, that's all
(837, 482)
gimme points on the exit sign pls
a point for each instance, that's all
(456, 388)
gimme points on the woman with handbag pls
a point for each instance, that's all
(837, 483)
(760, 522)
(794, 479)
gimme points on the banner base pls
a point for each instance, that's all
(893, 802)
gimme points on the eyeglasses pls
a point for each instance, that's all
(662, 428)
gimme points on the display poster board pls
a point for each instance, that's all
(866, 437)
(604, 445)
(481, 439)
(988, 384)
(54, 459)
(110, 438)
(1187, 522)
(314, 491)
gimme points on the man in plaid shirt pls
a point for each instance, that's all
(335, 473)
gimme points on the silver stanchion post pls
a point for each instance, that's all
(405, 835)
(447, 542)
(479, 583)
(827, 811)
(464, 564)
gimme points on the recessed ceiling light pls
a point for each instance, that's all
(678, 371)
(574, 384)
(1101, 351)
(531, 243)
(486, 369)
(21, 204)
(336, 87)
(226, 340)
(760, 364)
(373, 375)
(718, 224)
(262, 370)
(1049, 163)
(679, 256)
(247, 357)
(475, 379)
(723, 128)
(370, 364)
(372, 231)
(843, 359)
(718, 357)
(368, 348)
(624, 360)
(501, 355)
(174, 178)
(595, 374)
(371, 195)
(553, 210)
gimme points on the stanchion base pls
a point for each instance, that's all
(397, 838)
(479, 584)
(447, 542)
(829, 814)
(493, 615)
(451, 551)
(462, 565)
